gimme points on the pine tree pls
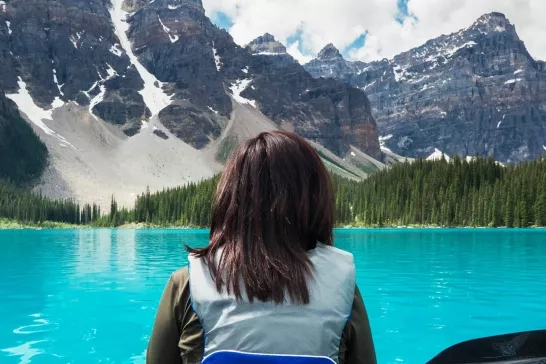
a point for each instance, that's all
(509, 211)
(540, 209)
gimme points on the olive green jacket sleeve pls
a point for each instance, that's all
(357, 343)
(177, 335)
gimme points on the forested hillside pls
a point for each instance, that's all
(440, 193)
(423, 193)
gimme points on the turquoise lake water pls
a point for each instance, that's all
(89, 296)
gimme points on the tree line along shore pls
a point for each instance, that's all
(455, 193)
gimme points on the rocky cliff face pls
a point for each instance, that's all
(202, 69)
(328, 112)
(134, 93)
(131, 60)
(67, 51)
(474, 92)
(205, 69)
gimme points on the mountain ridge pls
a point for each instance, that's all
(474, 92)
(129, 94)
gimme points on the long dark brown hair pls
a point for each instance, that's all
(274, 202)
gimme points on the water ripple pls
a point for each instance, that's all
(44, 324)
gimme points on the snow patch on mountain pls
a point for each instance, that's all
(100, 96)
(437, 155)
(382, 141)
(167, 30)
(115, 50)
(36, 114)
(450, 52)
(154, 97)
(9, 27)
(217, 59)
(57, 103)
(96, 100)
(75, 39)
(500, 122)
(401, 74)
(238, 87)
(111, 72)
(369, 85)
(57, 82)
(268, 54)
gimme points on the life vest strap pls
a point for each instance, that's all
(236, 357)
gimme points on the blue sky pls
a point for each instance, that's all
(222, 20)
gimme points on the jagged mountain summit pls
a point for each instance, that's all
(476, 92)
(134, 93)
(331, 64)
(267, 46)
(329, 52)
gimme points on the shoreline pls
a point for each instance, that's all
(48, 225)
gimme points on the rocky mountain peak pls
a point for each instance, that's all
(493, 17)
(266, 44)
(330, 51)
(268, 37)
(493, 22)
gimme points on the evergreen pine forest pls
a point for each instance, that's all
(479, 193)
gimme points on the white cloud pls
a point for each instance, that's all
(294, 51)
(341, 21)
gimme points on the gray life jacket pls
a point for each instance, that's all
(287, 329)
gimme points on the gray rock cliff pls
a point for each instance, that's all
(131, 62)
(68, 49)
(476, 92)
(176, 42)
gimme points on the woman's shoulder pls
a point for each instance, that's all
(181, 277)
(331, 250)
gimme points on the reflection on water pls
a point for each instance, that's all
(94, 249)
(98, 250)
(126, 250)
(89, 296)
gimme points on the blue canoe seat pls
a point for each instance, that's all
(235, 357)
